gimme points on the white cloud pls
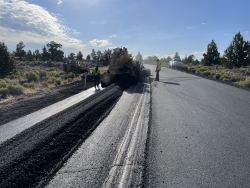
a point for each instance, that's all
(199, 54)
(203, 23)
(246, 32)
(33, 24)
(59, 2)
(99, 43)
(189, 27)
(112, 47)
(112, 36)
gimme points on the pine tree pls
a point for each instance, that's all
(93, 55)
(71, 56)
(36, 54)
(88, 57)
(79, 55)
(177, 56)
(30, 57)
(236, 52)
(19, 50)
(7, 63)
(212, 56)
(45, 56)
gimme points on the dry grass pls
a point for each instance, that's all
(24, 67)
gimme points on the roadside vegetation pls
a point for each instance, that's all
(233, 66)
(27, 72)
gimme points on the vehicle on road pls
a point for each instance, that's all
(175, 62)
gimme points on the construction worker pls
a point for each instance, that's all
(139, 57)
(96, 74)
(158, 69)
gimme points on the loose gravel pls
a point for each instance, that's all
(31, 158)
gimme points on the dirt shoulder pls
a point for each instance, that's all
(27, 103)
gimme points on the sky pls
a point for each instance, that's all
(151, 27)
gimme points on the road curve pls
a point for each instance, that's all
(199, 133)
(113, 156)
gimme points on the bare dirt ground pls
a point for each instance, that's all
(19, 106)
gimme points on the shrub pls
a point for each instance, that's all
(218, 75)
(224, 71)
(191, 69)
(13, 76)
(7, 80)
(53, 80)
(63, 76)
(2, 81)
(37, 72)
(43, 74)
(31, 76)
(69, 79)
(226, 79)
(72, 75)
(245, 83)
(11, 88)
(247, 72)
(224, 76)
(61, 73)
(58, 81)
(200, 70)
(237, 77)
(49, 81)
(3, 85)
(33, 85)
(50, 63)
(184, 68)
(52, 73)
(45, 84)
(206, 73)
(26, 84)
(4, 91)
(19, 89)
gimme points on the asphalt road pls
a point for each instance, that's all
(199, 133)
(114, 154)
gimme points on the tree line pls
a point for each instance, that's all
(237, 55)
(50, 52)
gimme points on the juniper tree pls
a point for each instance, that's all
(236, 52)
(19, 50)
(7, 63)
(177, 56)
(45, 55)
(30, 57)
(212, 56)
(79, 55)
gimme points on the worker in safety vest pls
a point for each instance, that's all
(158, 69)
(96, 74)
(139, 57)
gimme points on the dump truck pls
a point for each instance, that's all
(124, 69)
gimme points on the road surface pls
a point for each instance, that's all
(199, 133)
(114, 155)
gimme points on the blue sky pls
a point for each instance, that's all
(151, 27)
